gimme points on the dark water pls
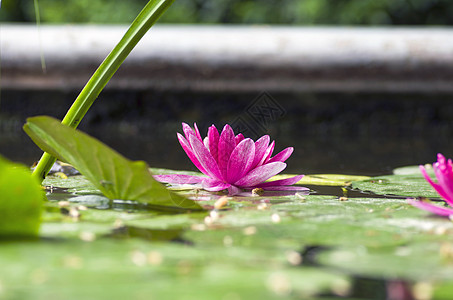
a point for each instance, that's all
(366, 134)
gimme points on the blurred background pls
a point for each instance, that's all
(354, 130)
(294, 12)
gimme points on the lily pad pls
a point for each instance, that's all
(397, 185)
(415, 261)
(115, 176)
(324, 179)
(21, 199)
(413, 170)
(106, 269)
(74, 184)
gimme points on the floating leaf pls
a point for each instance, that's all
(21, 199)
(74, 184)
(108, 171)
(413, 170)
(136, 269)
(416, 261)
(324, 179)
(397, 185)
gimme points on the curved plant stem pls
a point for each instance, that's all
(144, 21)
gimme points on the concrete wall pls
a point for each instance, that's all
(234, 58)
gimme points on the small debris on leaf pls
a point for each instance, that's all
(198, 227)
(87, 236)
(251, 230)
(280, 284)
(294, 258)
(262, 206)
(138, 258)
(275, 218)
(63, 203)
(82, 207)
(227, 241)
(257, 192)
(221, 202)
(74, 213)
(301, 197)
(155, 258)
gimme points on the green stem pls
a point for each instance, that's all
(144, 21)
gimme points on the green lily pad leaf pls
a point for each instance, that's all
(91, 201)
(397, 185)
(21, 199)
(319, 220)
(167, 221)
(78, 184)
(136, 269)
(72, 229)
(324, 179)
(413, 170)
(442, 290)
(416, 261)
(115, 176)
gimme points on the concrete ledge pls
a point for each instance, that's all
(234, 58)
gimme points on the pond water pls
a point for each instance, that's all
(342, 241)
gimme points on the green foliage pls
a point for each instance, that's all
(344, 12)
(115, 176)
(21, 199)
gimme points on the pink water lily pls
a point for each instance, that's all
(232, 162)
(443, 169)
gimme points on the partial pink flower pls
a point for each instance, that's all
(443, 169)
(232, 162)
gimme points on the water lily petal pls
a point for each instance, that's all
(205, 158)
(287, 181)
(232, 162)
(226, 146)
(450, 168)
(213, 137)
(283, 155)
(443, 172)
(439, 189)
(206, 143)
(179, 178)
(269, 151)
(197, 132)
(241, 160)
(239, 138)
(188, 131)
(233, 190)
(213, 185)
(188, 149)
(261, 146)
(435, 209)
(260, 174)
